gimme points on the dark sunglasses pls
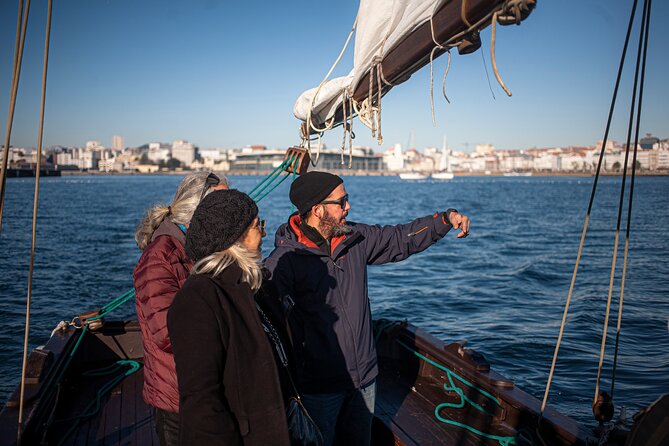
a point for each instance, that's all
(212, 180)
(341, 201)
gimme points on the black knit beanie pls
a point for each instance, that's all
(219, 221)
(311, 188)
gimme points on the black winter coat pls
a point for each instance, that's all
(229, 391)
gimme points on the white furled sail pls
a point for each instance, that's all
(393, 39)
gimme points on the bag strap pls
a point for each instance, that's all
(278, 346)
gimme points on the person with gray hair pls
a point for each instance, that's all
(159, 274)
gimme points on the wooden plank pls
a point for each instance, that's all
(410, 415)
(145, 428)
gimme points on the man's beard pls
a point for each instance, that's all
(330, 226)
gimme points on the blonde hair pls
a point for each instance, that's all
(248, 261)
(186, 199)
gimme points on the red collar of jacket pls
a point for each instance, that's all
(295, 221)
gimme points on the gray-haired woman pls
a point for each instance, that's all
(159, 274)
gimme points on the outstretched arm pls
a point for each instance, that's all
(395, 243)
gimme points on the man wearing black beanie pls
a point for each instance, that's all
(319, 270)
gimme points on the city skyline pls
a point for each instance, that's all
(224, 75)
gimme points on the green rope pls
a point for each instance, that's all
(121, 299)
(503, 441)
(451, 373)
(256, 191)
(94, 406)
(282, 180)
(273, 173)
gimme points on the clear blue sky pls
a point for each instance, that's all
(226, 74)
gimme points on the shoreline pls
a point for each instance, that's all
(371, 174)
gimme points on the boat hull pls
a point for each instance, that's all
(410, 406)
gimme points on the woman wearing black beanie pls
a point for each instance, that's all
(228, 382)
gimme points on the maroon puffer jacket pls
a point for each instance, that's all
(160, 272)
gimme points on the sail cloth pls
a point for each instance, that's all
(397, 37)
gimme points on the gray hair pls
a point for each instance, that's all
(186, 199)
(248, 261)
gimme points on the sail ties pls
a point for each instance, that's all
(513, 11)
(348, 114)
(369, 109)
(493, 58)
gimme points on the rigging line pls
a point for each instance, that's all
(370, 92)
(487, 76)
(341, 53)
(493, 59)
(592, 198)
(622, 196)
(34, 221)
(16, 74)
(631, 197)
(443, 81)
(379, 138)
(350, 131)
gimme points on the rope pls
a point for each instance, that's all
(328, 125)
(493, 59)
(451, 387)
(487, 76)
(592, 198)
(34, 221)
(94, 406)
(379, 138)
(643, 43)
(443, 81)
(22, 25)
(270, 178)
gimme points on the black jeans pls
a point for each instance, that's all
(167, 427)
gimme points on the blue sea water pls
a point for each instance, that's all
(502, 289)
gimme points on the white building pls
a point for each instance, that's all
(118, 143)
(159, 152)
(183, 151)
(485, 149)
(393, 158)
(91, 145)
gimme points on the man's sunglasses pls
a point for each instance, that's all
(341, 201)
(211, 181)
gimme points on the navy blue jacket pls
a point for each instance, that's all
(331, 322)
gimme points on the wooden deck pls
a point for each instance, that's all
(123, 419)
(409, 390)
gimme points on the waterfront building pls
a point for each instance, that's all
(118, 142)
(183, 151)
(159, 152)
(263, 160)
(485, 149)
(393, 158)
(93, 145)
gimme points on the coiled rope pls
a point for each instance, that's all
(451, 387)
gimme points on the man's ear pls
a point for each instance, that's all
(317, 210)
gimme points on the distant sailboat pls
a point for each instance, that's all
(413, 176)
(444, 172)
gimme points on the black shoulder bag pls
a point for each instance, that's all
(302, 429)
